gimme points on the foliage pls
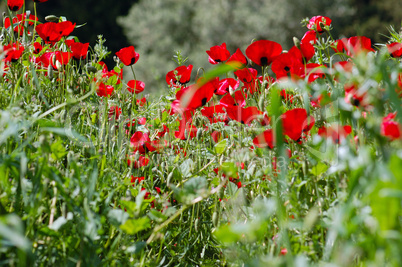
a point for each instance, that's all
(93, 174)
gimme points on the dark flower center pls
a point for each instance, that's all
(355, 102)
(204, 101)
(287, 68)
(264, 61)
(132, 61)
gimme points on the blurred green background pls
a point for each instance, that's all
(158, 28)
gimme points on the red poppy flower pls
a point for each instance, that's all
(52, 32)
(141, 102)
(265, 139)
(128, 56)
(295, 122)
(218, 53)
(238, 56)
(224, 84)
(317, 23)
(305, 52)
(238, 99)
(180, 74)
(79, 50)
(186, 130)
(140, 142)
(194, 96)
(353, 45)
(390, 128)
(314, 71)
(135, 180)
(355, 96)
(108, 74)
(335, 132)
(246, 75)
(13, 52)
(104, 90)
(37, 48)
(114, 112)
(244, 115)
(15, 5)
(60, 59)
(309, 37)
(263, 52)
(134, 86)
(136, 164)
(395, 49)
(287, 64)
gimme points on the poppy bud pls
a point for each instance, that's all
(59, 66)
(91, 68)
(185, 134)
(50, 71)
(231, 91)
(215, 219)
(52, 18)
(199, 133)
(169, 178)
(261, 102)
(196, 224)
(296, 42)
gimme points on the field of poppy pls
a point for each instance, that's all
(270, 157)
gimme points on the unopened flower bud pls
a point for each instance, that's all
(231, 91)
(91, 68)
(199, 133)
(296, 42)
(52, 18)
(50, 71)
(185, 134)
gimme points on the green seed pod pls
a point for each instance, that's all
(196, 224)
(199, 133)
(52, 18)
(261, 102)
(296, 42)
(91, 68)
(215, 218)
(169, 178)
(50, 71)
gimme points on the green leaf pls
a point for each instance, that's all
(319, 169)
(186, 167)
(230, 169)
(220, 147)
(226, 235)
(133, 226)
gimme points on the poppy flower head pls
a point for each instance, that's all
(218, 54)
(263, 52)
(264, 139)
(309, 37)
(390, 128)
(246, 75)
(295, 122)
(244, 115)
(136, 87)
(104, 90)
(195, 96)
(78, 49)
(317, 23)
(239, 57)
(13, 52)
(225, 84)
(15, 5)
(181, 74)
(287, 64)
(237, 99)
(52, 32)
(128, 56)
(395, 49)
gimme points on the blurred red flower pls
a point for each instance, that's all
(15, 5)
(181, 74)
(78, 49)
(52, 32)
(317, 23)
(13, 52)
(395, 49)
(134, 86)
(218, 54)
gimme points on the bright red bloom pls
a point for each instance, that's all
(244, 115)
(135, 180)
(108, 74)
(218, 53)
(314, 71)
(37, 48)
(265, 139)
(295, 122)
(287, 64)
(180, 74)
(78, 49)
(194, 96)
(246, 75)
(104, 90)
(238, 99)
(238, 56)
(186, 130)
(353, 45)
(395, 49)
(15, 5)
(136, 164)
(114, 112)
(52, 32)
(224, 84)
(141, 102)
(128, 56)
(134, 86)
(62, 58)
(263, 52)
(305, 52)
(390, 128)
(335, 132)
(13, 52)
(140, 142)
(317, 22)
(309, 37)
